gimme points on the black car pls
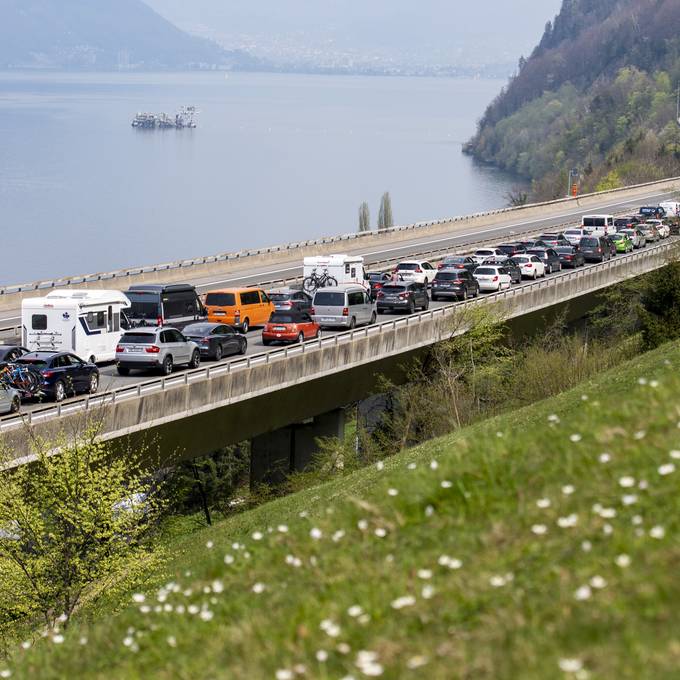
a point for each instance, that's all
(549, 257)
(570, 256)
(655, 211)
(594, 249)
(216, 340)
(402, 296)
(377, 280)
(459, 262)
(511, 249)
(286, 299)
(454, 283)
(61, 374)
(554, 242)
(512, 267)
(552, 236)
(535, 243)
(626, 222)
(9, 353)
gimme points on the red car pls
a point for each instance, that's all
(290, 326)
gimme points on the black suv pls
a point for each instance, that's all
(454, 283)
(402, 296)
(511, 249)
(549, 257)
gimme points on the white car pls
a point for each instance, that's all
(483, 254)
(531, 266)
(10, 399)
(420, 271)
(663, 229)
(574, 236)
(492, 277)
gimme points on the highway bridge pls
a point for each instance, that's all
(282, 399)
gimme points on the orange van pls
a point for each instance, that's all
(241, 308)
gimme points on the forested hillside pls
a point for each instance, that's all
(598, 93)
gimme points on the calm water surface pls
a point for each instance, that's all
(275, 158)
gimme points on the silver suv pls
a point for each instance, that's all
(155, 348)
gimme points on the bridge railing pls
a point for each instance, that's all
(244, 254)
(655, 255)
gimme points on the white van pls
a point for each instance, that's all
(343, 306)
(598, 225)
(88, 323)
(672, 208)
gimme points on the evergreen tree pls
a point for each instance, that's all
(385, 219)
(364, 217)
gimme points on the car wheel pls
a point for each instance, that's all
(411, 308)
(244, 347)
(426, 306)
(167, 365)
(381, 312)
(123, 370)
(94, 383)
(535, 274)
(15, 405)
(59, 391)
(92, 360)
(301, 338)
(434, 298)
(372, 321)
(195, 359)
(266, 343)
(245, 326)
(218, 352)
(426, 281)
(318, 335)
(352, 323)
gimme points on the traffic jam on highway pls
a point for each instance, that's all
(73, 338)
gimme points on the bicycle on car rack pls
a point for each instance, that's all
(313, 282)
(21, 378)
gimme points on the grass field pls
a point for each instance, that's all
(540, 544)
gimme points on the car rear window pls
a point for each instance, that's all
(485, 270)
(329, 299)
(484, 252)
(408, 266)
(447, 276)
(138, 339)
(564, 249)
(284, 318)
(375, 276)
(573, 232)
(280, 297)
(32, 362)
(220, 299)
(454, 260)
(589, 242)
(394, 289)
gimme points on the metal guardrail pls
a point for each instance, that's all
(224, 257)
(89, 403)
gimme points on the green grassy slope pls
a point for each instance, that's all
(513, 549)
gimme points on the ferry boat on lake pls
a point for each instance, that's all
(184, 118)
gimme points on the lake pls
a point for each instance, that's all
(275, 158)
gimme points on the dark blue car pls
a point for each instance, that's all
(62, 374)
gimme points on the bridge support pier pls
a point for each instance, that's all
(274, 455)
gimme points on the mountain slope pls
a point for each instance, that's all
(597, 93)
(94, 34)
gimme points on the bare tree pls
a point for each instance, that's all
(385, 219)
(364, 217)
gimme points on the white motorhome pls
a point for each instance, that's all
(672, 208)
(345, 269)
(88, 323)
(598, 225)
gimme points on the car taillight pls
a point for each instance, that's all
(381, 294)
(159, 321)
(599, 250)
(205, 339)
(378, 285)
(460, 266)
(120, 348)
(153, 349)
(403, 296)
(495, 278)
(418, 270)
(345, 311)
(287, 303)
(568, 257)
(47, 373)
(458, 281)
(528, 265)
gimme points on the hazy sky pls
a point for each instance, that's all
(474, 30)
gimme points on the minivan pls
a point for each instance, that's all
(598, 225)
(344, 306)
(595, 249)
(157, 304)
(241, 308)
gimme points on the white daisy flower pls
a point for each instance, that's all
(258, 588)
(434, 465)
(424, 574)
(315, 533)
(605, 457)
(416, 662)
(284, 674)
(446, 484)
(622, 561)
(629, 499)
(583, 593)
(675, 454)
(355, 611)
(543, 503)
(657, 532)
(575, 438)
(666, 469)
(586, 546)
(568, 489)
(570, 665)
(257, 535)
(379, 466)
(404, 601)
(598, 582)
(427, 592)
(392, 492)
(627, 482)
(539, 529)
